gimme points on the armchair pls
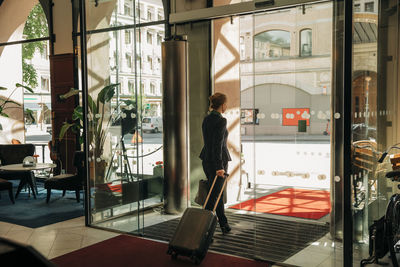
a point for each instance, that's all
(14, 154)
(65, 182)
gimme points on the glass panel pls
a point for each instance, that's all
(374, 128)
(127, 127)
(125, 12)
(286, 130)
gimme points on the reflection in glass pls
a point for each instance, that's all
(305, 42)
(133, 177)
(285, 124)
(272, 44)
(125, 12)
(374, 91)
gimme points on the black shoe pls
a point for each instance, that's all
(226, 228)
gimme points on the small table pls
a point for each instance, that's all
(20, 168)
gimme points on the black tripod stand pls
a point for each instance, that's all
(127, 167)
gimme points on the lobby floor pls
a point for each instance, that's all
(56, 239)
(64, 237)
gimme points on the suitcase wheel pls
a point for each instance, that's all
(195, 259)
(174, 255)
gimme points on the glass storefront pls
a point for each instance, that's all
(281, 69)
(374, 112)
(125, 122)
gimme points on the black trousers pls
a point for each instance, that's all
(210, 172)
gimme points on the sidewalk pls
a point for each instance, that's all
(287, 138)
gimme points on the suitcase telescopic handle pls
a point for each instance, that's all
(220, 193)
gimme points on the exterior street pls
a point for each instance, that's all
(298, 161)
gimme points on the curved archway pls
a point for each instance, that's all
(14, 14)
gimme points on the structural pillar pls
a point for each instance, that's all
(175, 122)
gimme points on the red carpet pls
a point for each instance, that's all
(309, 204)
(132, 251)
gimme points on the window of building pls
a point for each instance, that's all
(141, 87)
(44, 54)
(149, 38)
(357, 8)
(242, 48)
(131, 86)
(137, 11)
(369, 7)
(44, 82)
(137, 36)
(127, 9)
(160, 16)
(272, 44)
(128, 58)
(152, 89)
(150, 60)
(159, 39)
(305, 43)
(149, 14)
(127, 37)
(141, 10)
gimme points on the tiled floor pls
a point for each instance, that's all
(56, 239)
(64, 237)
(327, 253)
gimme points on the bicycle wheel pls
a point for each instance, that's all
(392, 218)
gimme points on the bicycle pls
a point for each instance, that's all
(385, 232)
(392, 215)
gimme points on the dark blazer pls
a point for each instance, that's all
(215, 135)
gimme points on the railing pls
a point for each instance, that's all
(43, 151)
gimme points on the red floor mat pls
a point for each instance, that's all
(122, 251)
(303, 203)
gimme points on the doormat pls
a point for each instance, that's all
(252, 236)
(123, 250)
(302, 203)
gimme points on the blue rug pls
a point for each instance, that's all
(34, 213)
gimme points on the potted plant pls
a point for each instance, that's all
(100, 119)
(158, 169)
(4, 106)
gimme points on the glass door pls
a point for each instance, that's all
(374, 124)
(286, 84)
(125, 112)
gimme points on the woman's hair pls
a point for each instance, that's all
(217, 100)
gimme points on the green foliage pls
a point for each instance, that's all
(99, 123)
(3, 103)
(29, 74)
(28, 114)
(35, 27)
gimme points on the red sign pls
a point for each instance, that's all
(291, 116)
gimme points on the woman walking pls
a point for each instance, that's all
(215, 155)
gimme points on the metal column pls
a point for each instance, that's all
(175, 122)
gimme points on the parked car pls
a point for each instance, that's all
(49, 129)
(152, 124)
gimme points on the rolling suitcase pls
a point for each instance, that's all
(195, 231)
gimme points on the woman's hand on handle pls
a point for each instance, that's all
(221, 172)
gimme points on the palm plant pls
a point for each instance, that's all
(99, 121)
(3, 103)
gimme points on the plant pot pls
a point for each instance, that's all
(158, 171)
(97, 172)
